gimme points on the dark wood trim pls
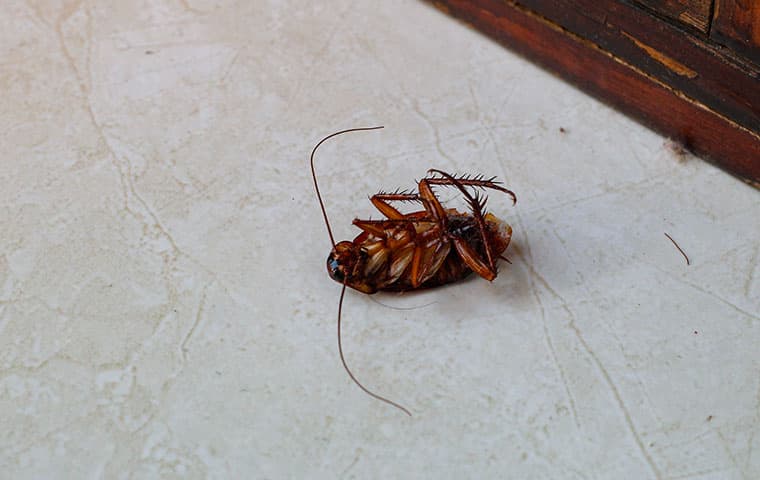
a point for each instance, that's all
(737, 25)
(687, 62)
(612, 79)
(694, 13)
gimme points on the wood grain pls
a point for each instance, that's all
(687, 62)
(694, 13)
(737, 25)
(607, 76)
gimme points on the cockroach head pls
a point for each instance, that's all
(346, 264)
(341, 261)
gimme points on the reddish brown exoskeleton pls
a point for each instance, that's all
(422, 249)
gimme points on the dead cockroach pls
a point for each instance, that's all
(417, 250)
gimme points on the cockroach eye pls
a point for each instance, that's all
(333, 269)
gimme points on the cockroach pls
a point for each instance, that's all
(423, 249)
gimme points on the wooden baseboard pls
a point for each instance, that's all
(669, 79)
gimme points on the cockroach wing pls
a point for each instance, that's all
(431, 260)
(378, 259)
(399, 263)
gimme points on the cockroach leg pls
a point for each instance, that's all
(377, 227)
(487, 268)
(380, 201)
(473, 260)
(345, 365)
(432, 204)
(472, 182)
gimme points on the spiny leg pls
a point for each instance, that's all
(432, 204)
(425, 196)
(430, 253)
(487, 268)
(378, 227)
(436, 214)
(473, 260)
(478, 181)
(345, 365)
(380, 201)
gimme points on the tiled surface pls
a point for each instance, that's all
(164, 309)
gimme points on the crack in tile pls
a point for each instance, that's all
(603, 370)
(189, 8)
(751, 317)
(730, 453)
(316, 58)
(751, 441)
(228, 70)
(547, 335)
(699, 473)
(198, 317)
(436, 134)
(753, 270)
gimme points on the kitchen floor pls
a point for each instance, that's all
(165, 310)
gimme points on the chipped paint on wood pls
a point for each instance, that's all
(673, 65)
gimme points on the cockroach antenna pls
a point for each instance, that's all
(348, 370)
(343, 290)
(314, 175)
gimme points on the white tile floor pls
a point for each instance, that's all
(164, 306)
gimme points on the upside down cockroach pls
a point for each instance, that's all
(417, 250)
